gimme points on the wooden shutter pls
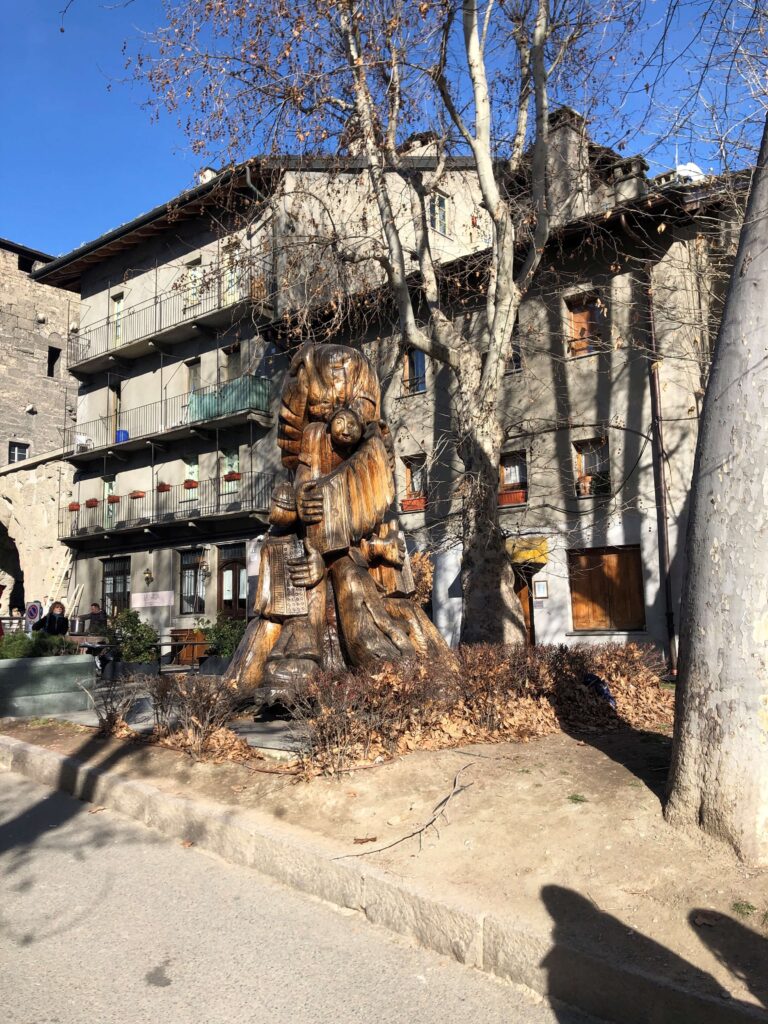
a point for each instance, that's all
(589, 597)
(624, 570)
(607, 589)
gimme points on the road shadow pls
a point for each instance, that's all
(601, 963)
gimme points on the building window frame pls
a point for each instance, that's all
(193, 282)
(192, 578)
(18, 451)
(116, 585)
(117, 315)
(416, 483)
(513, 478)
(592, 467)
(414, 372)
(437, 212)
(586, 323)
(232, 580)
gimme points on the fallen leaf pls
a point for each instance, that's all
(95, 810)
(186, 843)
(359, 841)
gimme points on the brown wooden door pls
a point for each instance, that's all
(524, 592)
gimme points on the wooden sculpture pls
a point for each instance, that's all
(334, 550)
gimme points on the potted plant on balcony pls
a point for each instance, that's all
(138, 494)
(92, 503)
(190, 485)
(414, 503)
(232, 475)
(513, 496)
(113, 499)
(74, 506)
(163, 488)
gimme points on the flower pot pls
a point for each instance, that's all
(74, 506)
(518, 496)
(92, 503)
(138, 494)
(113, 499)
(190, 485)
(230, 477)
(163, 488)
(417, 503)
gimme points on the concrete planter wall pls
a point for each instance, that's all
(46, 686)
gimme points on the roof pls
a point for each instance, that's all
(65, 271)
(24, 250)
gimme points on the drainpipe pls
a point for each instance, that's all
(659, 462)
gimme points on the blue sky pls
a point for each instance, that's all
(78, 158)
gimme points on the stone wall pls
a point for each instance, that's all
(34, 319)
(30, 496)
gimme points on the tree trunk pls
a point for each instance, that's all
(719, 776)
(491, 610)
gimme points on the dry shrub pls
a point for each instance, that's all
(191, 712)
(500, 693)
(113, 699)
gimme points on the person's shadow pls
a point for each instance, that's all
(600, 964)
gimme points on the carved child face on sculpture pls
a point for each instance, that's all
(346, 428)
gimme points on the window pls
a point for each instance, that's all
(116, 313)
(607, 588)
(193, 281)
(192, 582)
(191, 476)
(17, 451)
(230, 282)
(232, 362)
(514, 363)
(230, 471)
(233, 581)
(415, 499)
(513, 479)
(593, 468)
(115, 585)
(108, 507)
(54, 354)
(438, 212)
(586, 324)
(414, 372)
(194, 375)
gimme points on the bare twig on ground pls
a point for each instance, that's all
(438, 812)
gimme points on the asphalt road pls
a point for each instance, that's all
(104, 921)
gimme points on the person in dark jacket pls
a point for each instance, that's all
(97, 620)
(55, 623)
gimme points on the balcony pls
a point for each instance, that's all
(166, 505)
(218, 406)
(217, 300)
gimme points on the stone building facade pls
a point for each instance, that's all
(37, 401)
(187, 321)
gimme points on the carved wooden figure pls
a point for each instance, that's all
(331, 527)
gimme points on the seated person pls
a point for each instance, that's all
(55, 623)
(97, 620)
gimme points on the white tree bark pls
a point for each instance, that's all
(719, 778)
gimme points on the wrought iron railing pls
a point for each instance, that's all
(416, 385)
(217, 289)
(165, 503)
(244, 394)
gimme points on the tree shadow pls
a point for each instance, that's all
(600, 962)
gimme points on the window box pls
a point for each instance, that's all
(138, 494)
(74, 506)
(163, 488)
(92, 503)
(232, 476)
(513, 497)
(416, 503)
(113, 499)
(190, 485)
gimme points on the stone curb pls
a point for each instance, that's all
(506, 948)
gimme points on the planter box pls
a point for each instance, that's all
(231, 477)
(113, 499)
(46, 686)
(73, 506)
(138, 494)
(515, 497)
(190, 485)
(417, 503)
(163, 488)
(92, 503)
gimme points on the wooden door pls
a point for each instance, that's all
(524, 591)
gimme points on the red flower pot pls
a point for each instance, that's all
(190, 485)
(138, 494)
(230, 477)
(163, 488)
(113, 499)
(92, 503)
(417, 503)
(74, 506)
(519, 496)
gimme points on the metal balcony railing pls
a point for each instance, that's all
(244, 394)
(166, 504)
(217, 289)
